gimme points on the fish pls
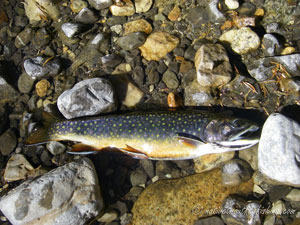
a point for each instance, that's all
(157, 135)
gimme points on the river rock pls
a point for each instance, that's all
(170, 79)
(163, 42)
(132, 41)
(71, 29)
(242, 40)
(86, 16)
(100, 4)
(36, 67)
(293, 195)
(148, 167)
(86, 98)
(138, 177)
(140, 25)
(69, 194)
(8, 142)
(212, 64)
(198, 16)
(77, 5)
(42, 87)
(251, 156)
(55, 147)
(184, 200)
(142, 5)
(214, 220)
(235, 172)
(232, 4)
(25, 83)
(125, 9)
(280, 142)
(24, 37)
(214, 13)
(7, 92)
(271, 45)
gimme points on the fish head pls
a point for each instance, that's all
(229, 129)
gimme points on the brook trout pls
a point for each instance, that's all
(171, 135)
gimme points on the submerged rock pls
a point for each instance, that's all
(86, 16)
(25, 83)
(125, 9)
(140, 25)
(280, 142)
(24, 37)
(100, 4)
(132, 41)
(67, 195)
(8, 142)
(142, 5)
(71, 29)
(7, 92)
(86, 98)
(271, 45)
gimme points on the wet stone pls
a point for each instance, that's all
(140, 25)
(41, 38)
(24, 37)
(142, 5)
(138, 177)
(111, 60)
(246, 9)
(71, 29)
(100, 4)
(138, 75)
(271, 45)
(109, 216)
(126, 9)
(148, 167)
(8, 142)
(88, 97)
(293, 195)
(7, 92)
(170, 79)
(86, 16)
(35, 67)
(190, 53)
(232, 4)
(55, 147)
(132, 41)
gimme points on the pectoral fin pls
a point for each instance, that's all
(189, 141)
(133, 152)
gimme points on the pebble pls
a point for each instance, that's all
(232, 4)
(214, 220)
(109, 216)
(73, 186)
(111, 60)
(250, 156)
(271, 45)
(293, 195)
(24, 37)
(166, 170)
(8, 142)
(214, 13)
(235, 172)
(117, 28)
(77, 5)
(278, 207)
(7, 92)
(279, 142)
(174, 15)
(142, 5)
(140, 25)
(100, 4)
(126, 9)
(41, 38)
(148, 167)
(86, 98)
(17, 168)
(125, 218)
(170, 79)
(269, 219)
(138, 177)
(86, 16)
(242, 40)
(198, 16)
(212, 65)
(55, 147)
(132, 41)
(163, 42)
(257, 189)
(36, 67)
(288, 50)
(42, 87)
(277, 192)
(71, 29)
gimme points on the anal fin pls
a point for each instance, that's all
(133, 152)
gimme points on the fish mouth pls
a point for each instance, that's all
(248, 133)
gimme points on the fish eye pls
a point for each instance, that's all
(237, 123)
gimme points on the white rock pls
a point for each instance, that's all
(55, 147)
(67, 195)
(257, 189)
(279, 151)
(232, 4)
(126, 9)
(293, 195)
(278, 207)
(242, 40)
(142, 5)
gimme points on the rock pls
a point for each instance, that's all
(148, 167)
(24, 37)
(250, 156)
(170, 79)
(209, 162)
(214, 12)
(184, 200)
(242, 40)
(41, 38)
(212, 64)
(132, 41)
(8, 142)
(163, 42)
(126, 9)
(59, 196)
(111, 60)
(38, 10)
(278, 207)
(7, 92)
(167, 170)
(17, 168)
(280, 142)
(109, 216)
(271, 45)
(270, 219)
(232, 4)
(36, 67)
(246, 9)
(86, 98)
(288, 50)
(138, 177)
(77, 5)
(42, 87)
(235, 172)
(257, 189)
(116, 28)
(25, 83)
(198, 15)
(238, 211)
(122, 69)
(174, 15)
(71, 29)
(140, 25)
(86, 16)
(55, 147)
(114, 20)
(125, 218)
(214, 220)
(120, 206)
(142, 5)
(293, 195)
(100, 4)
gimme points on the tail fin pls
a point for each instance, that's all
(41, 135)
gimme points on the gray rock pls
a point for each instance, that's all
(67, 195)
(86, 16)
(271, 45)
(46, 158)
(100, 4)
(55, 147)
(120, 206)
(198, 15)
(212, 64)
(7, 92)
(293, 195)
(214, 220)
(24, 37)
(25, 83)
(270, 219)
(215, 14)
(166, 170)
(86, 98)
(280, 142)
(8, 142)
(132, 41)
(71, 29)
(148, 167)
(235, 172)
(126, 218)
(238, 211)
(111, 60)
(41, 38)
(138, 177)
(272, 28)
(35, 67)
(278, 192)
(170, 79)
(250, 156)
